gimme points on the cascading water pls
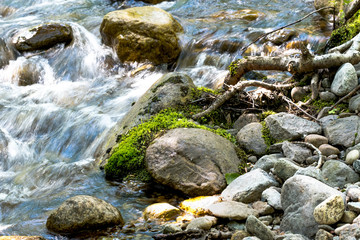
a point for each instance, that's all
(49, 130)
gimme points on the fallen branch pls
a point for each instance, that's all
(294, 65)
(237, 88)
(345, 97)
(286, 99)
(351, 9)
(309, 145)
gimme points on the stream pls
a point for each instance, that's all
(49, 131)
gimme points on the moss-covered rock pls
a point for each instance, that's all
(142, 34)
(170, 91)
(43, 37)
(345, 32)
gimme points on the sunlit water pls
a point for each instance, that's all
(49, 131)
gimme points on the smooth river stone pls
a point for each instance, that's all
(352, 156)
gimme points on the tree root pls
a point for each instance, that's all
(237, 88)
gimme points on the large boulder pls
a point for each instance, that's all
(43, 37)
(83, 213)
(170, 91)
(285, 126)
(299, 197)
(250, 138)
(191, 160)
(142, 34)
(345, 80)
(343, 131)
(248, 187)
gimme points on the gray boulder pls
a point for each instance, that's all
(284, 168)
(232, 210)
(354, 104)
(255, 227)
(192, 160)
(311, 172)
(285, 126)
(248, 187)
(267, 162)
(171, 90)
(337, 174)
(43, 37)
(83, 213)
(343, 131)
(295, 152)
(345, 80)
(299, 196)
(250, 138)
(142, 34)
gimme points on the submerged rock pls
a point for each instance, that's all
(192, 160)
(83, 213)
(142, 34)
(6, 54)
(43, 37)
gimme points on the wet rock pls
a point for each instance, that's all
(152, 1)
(330, 210)
(248, 187)
(262, 208)
(285, 126)
(299, 197)
(354, 104)
(161, 211)
(171, 228)
(43, 37)
(285, 169)
(232, 210)
(343, 131)
(348, 217)
(273, 198)
(28, 74)
(83, 213)
(142, 34)
(255, 227)
(204, 223)
(199, 205)
(171, 90)
(6, 11)
(6, 54)
(337, 174)
(298, 93)
(352, 156)
(267, 162)
(323, 235)
(245, 119)
(193, 161)
(281, 36)
(328, 150)
(295, 152)
(245, 14)
(345, 80)
(250, 138)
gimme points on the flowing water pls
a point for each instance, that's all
(49, 131)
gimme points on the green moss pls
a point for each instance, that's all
(233, 67)
(265, 114)
(345, 32)
(269, 140)
(320, 104)
(128, 158)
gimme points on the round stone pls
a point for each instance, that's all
(352, 156)
(330, 210)
(161, 211)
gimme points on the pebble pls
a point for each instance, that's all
(328, 150)
(327, 96)
(262, 208)
(273, 198)
(352, 156)
(163, 211)
(239, 235)
(330, 210)
(323, 235)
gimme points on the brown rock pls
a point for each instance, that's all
(316, 139)
(328, 150)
